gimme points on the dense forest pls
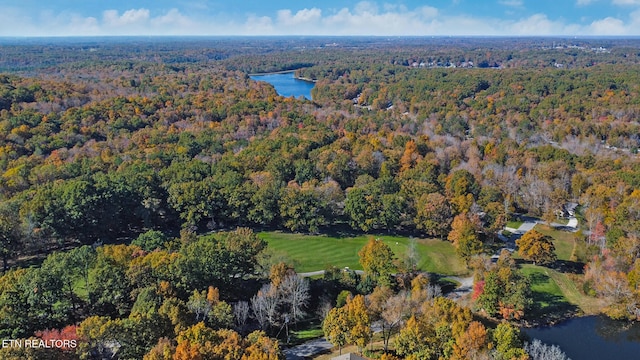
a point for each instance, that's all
(135, 173)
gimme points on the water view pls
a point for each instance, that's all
(592, 337)
(287, 85)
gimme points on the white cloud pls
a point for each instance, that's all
(609, 26)
(129, 17)
(366, 7)
(304, 16)
(257, 25)
(512, 3)
(365, 18)
(427, 12)
(626, 2)
(585, 2)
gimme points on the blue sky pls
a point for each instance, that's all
(328, 17)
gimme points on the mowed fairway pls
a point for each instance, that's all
(317, 252)
(562, 240)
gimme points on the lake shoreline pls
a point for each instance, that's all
(287, 84)
(272, 73)
(284, 72)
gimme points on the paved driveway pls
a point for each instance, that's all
(308, 349)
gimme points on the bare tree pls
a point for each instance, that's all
(538, 350)
(507, 179)
(535, 194)
(265, 306)
(411, 257)
(294, 293)
(396, 309)
(241, 311)
(199, 305)
(324, 307)
(593, 216)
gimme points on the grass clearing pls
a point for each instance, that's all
(587, 304)
(562, 240)
(317, 252)
(305, 331)
(549, 300)
(555, 292)
(304, 335)
(514, 224)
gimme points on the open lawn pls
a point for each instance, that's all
(555, 293)
(305, 331)
(547, 295)
(562, 240)
(317, 252)
(514, 224)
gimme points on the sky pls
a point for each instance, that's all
(327, 17)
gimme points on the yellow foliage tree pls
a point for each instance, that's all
(536, 247)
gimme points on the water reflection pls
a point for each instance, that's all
(592, 337)
(615, 331)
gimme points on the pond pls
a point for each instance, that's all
(287, 85)
(592, 337)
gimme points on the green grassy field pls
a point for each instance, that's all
(556, 293)
(562, 240)
(547, 295)
(514, 224)
(316, 252)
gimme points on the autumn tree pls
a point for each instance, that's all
(507, 342)
(536, 247)
(505, 292)
(261, 347)
(431, 332)
(207, 306)
(377, 304)
(376, 259)
(359, 322)
(279, 272)
(336, 327)
(461, 188)
(460, 227)
(199, 305)
(200, 341)
(471, 343)
(607, 279)
(163, 350)
(410, 156)
(464, 237)
(415, 339)
(433, 214)
(349, 324)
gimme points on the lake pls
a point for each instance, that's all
(287, 85)
(592, 337)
